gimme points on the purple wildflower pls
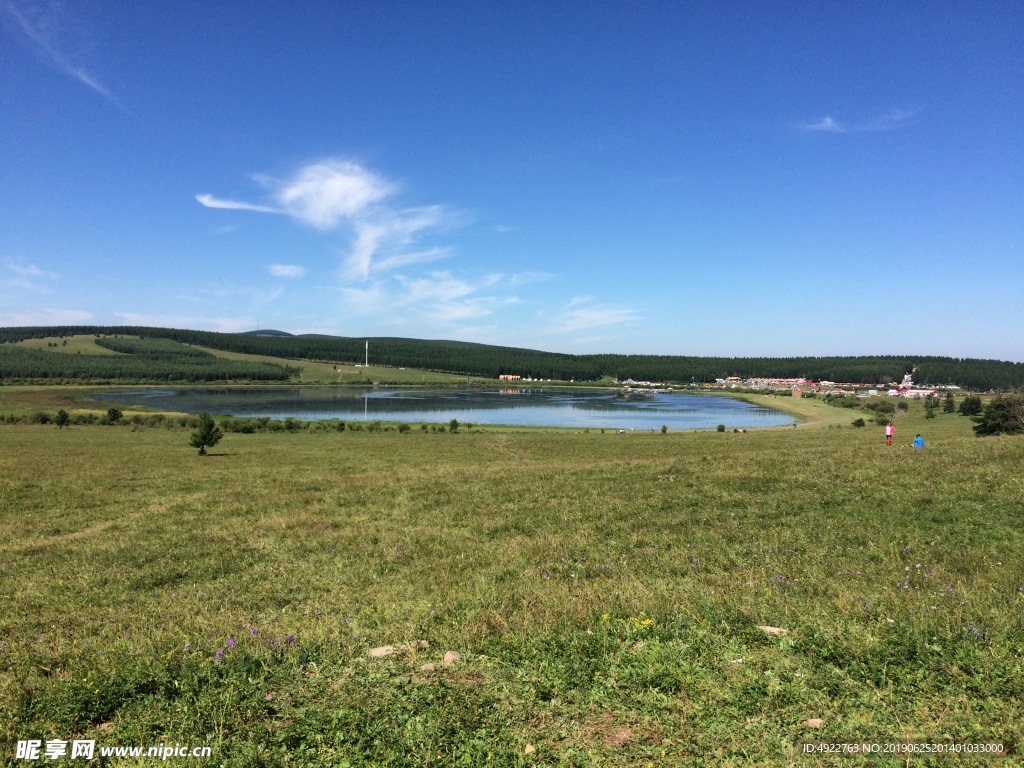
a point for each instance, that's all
(231, 642)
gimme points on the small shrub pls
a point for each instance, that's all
(858, 423)
(720, 427)
(664, 429)
(453, 426)
(403, 428)
(39, 417)
(929, 413)
(291, 424)
(62, 419)
(882, 406)
(424, 427)
(113, 415)
(340, 426)
(355, 426)
(903, 405)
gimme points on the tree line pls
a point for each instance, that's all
(491, 361)
(140, 360)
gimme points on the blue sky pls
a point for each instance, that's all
(653, 177)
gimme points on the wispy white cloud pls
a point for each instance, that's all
(437, 297)
(27, 277)
(583, 313)
(336, 194)
(43, 24)
(286, 270)
(827, 125)
(891, 120)
(222, 324)
(46, 317)
(330, 192)
(233, 205)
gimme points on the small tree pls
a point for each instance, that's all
(453, 426)
(206, 434)
(858, 423)
(113, 415)
(970, 406)
(1004, 414)
(948, 406)
(664, 429)
(62, 419)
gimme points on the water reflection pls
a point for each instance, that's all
(508, 405)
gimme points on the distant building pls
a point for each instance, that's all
(509, 377)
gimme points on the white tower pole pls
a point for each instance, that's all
(367, 353)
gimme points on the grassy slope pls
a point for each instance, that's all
(604, 591)
(311, 372)
(84, 344)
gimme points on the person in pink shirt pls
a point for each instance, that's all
(890, 430)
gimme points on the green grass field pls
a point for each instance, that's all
(604, 592)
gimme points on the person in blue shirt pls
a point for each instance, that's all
(919, 442)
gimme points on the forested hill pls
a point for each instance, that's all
(486, 360)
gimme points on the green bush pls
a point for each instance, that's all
(720, 428)
(1002, 415)
(403, 428)
(971, 405)
(113, 415)
(858, 423)
(880, 405)
(903, 405)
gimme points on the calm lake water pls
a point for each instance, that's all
(518, 406)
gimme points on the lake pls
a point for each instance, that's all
(520, 406)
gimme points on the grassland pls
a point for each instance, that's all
(604, 591)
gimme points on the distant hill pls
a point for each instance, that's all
(267, 332)
(486, 360)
